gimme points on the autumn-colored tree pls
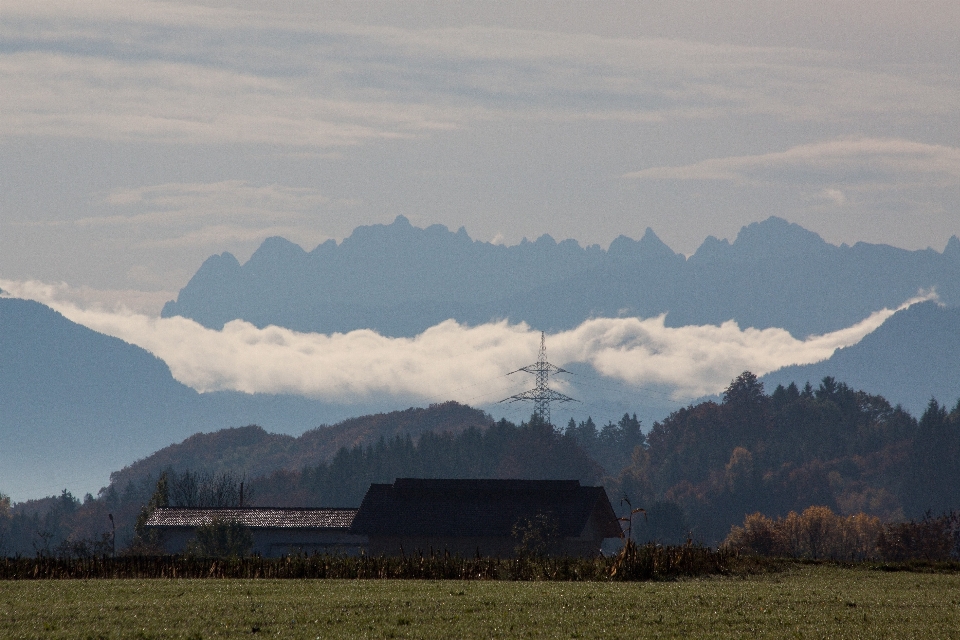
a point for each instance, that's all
(816, 533)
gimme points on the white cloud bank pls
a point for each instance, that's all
(449, 360)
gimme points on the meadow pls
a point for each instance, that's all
(799, 601)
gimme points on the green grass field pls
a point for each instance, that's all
(804, 601)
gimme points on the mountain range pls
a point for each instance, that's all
(400, 280)
(76, 404)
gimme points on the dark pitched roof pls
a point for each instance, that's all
(255, 518)
(480, 508)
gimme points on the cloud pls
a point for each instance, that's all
(121, 301)
(232, 193)
(164, 72)
(700, 360)
(204, 214)
(174, 203)
(449, 360)
(177, 102)
(836, 196)
(862, 160)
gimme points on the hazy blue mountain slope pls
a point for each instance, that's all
(914, 355)
(75, 403)
(399, 280)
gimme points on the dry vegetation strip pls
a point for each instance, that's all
(803, 601)
(647, 562)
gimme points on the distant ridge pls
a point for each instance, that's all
(400, 280)
(252, 451)
(74, 401)
(913, 356)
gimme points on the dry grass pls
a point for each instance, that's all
(647, 562)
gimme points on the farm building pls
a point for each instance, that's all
(462, 517)
(485, 517)
(275, 532)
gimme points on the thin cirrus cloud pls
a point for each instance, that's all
(236, 198)
(164, 73)
(862, 160)
(450, 360)
(204, 214)
(177, 102)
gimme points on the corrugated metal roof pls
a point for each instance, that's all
(255, 518)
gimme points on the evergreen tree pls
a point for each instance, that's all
(149, 541)
(934, 469)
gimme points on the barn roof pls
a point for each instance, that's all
(481, 508)
(255, 518)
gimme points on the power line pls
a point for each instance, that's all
(608, 384)
(497, 391)
(447, 394)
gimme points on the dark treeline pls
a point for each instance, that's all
(533, 450)
(613, 445)
(695, 474)
(830, 446)
(63, 526)
(60, 525)
(206, 489)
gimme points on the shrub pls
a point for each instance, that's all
(656, 562)
(815, 533)
(221, 539)
(537, 536)
(933, 539)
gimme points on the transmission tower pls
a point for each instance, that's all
(542, 395)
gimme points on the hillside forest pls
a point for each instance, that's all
(697, 473)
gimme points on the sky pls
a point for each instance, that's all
(137, 138)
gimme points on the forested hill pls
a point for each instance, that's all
(796, 447)
(399, 280)
(700, 470)
(253, 452)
